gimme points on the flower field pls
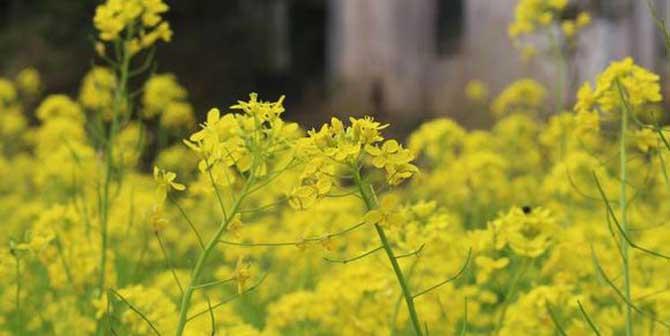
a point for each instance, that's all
(125, 212)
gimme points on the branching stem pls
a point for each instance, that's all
(370, 199)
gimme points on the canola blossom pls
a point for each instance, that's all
(130, 216)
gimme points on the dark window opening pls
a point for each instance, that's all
(307, 31)
(294, 61)
(450, 20)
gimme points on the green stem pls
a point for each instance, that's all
(168, 263)
(509, 293)
(396, 308)
(368, 195)
(204, 255)
(119, 102)
(624, 220)
(18, 296)
(196, 274)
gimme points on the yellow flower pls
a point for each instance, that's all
(28, 81)
(159, 92)
(113, 16)
(242, 274)
(235, 226)
(59, 106)
(486, 266)
(178, 115)
(7, 92)
(157, 218)
(542, 17)
(476, 91)
(646, 140)
(640, 87)
(523, 96)
(141, 17)
(583, 19)
(387, 215)
(558, 4)
(529, 14)
(165, 180)
(366, 130)
(587, 122)
(101, 305)
(97, 91)
(345, 145)
(586, 99)
(545, 18)
(528, 52)
(569, 28)
(527, 232)
(303, 197)
(152, 11)
(264, 111)
(100, 49)
(394, 159)
(438, 140)
(381, 157)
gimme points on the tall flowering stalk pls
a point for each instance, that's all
(244, 152)
(622, 91)
(127, 27)
(370, 199)
(548, 18)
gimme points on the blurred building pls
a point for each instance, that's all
(410, 59)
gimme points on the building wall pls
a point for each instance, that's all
(380, 53)
(383, 56)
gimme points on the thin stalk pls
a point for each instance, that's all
(464, 330)
(18, 295)
(213, 283)
(137, 311)
(358, 257)
(119, 101)
(188, 220)
(368, 195)
(396, 308)
(168, 263)
(511, 290)
(444, 282)
(624, 220)
(204, 255)
(554, 319)
(297, 242)
(588, 319)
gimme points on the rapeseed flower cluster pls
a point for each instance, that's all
(138, 23)
(551, 20)
(640, 87)
(523, 96)
(97, 91)
(531, 16)
(29, 82)
(12, 120)
(252, 225)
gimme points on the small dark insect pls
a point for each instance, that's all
(526, 209)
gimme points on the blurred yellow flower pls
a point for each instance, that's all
(29, 82)
(165, 180)
(476, 91)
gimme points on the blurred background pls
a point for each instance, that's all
(403, 61)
